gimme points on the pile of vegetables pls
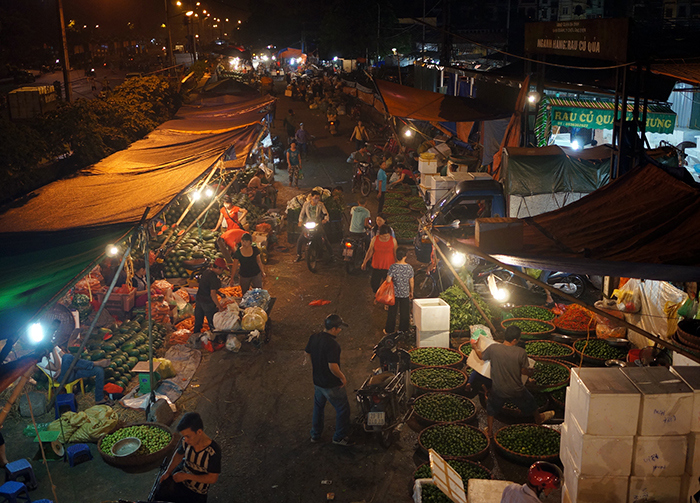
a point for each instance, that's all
(550, 374)
(395, 219)
(559, 395)
(405, 230)
(432, 494)
(434, 357)
(529, 327)
(153, 439)
(126, 345)
(533, 313)
(81, 303)
(453, 440)
(598, 348)
(443, 407)
(193, 246)
(437, 378)
(466, 349)
(462, 310)
(530, 440)
(576, 319)
(547, 348)
(466, 469)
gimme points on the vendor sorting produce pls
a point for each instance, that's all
(247, 261)
(207, 302)
(542, 478)
(508, 363)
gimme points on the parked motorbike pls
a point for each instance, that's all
(315, 245)
(362, 179)
(333, 124)
(354, 250)
(503, 285)
(383, 397)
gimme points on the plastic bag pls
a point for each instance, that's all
(98, 422)
(67, 424)
(629, 298)
(256, 310)
(252, 321)
(232, 343)
(607, 328)
(166, 369)
(225, 320)
(385, 294)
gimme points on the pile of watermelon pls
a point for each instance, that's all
(126, 345)
(195, 245)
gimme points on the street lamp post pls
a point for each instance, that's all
(171, 56)
(66, 60)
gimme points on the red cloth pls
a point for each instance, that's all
(383, 255)
(233, 237)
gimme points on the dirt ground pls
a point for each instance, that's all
(257, 404)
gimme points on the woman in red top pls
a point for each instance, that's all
(231, 214)
(382, 251)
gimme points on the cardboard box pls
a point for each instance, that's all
(499, 234)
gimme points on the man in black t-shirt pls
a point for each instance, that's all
(206, 302)
(195, 465)
(329, 381)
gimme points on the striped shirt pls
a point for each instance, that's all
(208, 460)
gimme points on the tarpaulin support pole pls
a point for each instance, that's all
(149, 315)
(64, 378)
(15, 394)
(459, 280)
(475, 251)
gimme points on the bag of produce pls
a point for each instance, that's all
(225, 320)
(255, 297)
(166, 369)
(256, 310)
(252, 321)
(606, 328)
(99, 421)
(385, 293)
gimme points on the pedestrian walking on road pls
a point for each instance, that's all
(293, 164)
(302, 137)
(359, 134)
(382, 252)
(381, 186)
(401, 274)
(329, 381)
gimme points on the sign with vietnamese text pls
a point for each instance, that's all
(603, 119)
(584, 38)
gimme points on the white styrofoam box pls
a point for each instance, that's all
(691, 376)
(436, 195)
(683, 361)
(667, 401)
(431, 314)
(563, 443)
(486, 491)
(598, 455)
(432, 338)
(565, 498)
(593, 489)
(692, 463)
(662, 456)
(690, 485)
(441, 182)
(426, 166)
(604, 402)
(656, 489)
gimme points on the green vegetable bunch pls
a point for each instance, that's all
(152, 438)
(529, 326)
(443, 408)
(545, 348)
(530, 440)
(463, 314)
(453, 440)
(434, 356)
(549, 374)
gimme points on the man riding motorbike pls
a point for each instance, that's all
(313, 211)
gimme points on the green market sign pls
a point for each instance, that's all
(590, 118)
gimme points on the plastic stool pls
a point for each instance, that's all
(12, 490)
(78, 453)
(21, 468)
(65, 399)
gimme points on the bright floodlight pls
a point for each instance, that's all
(575, 145)
(458, 259)
(501, 295)
(408, 133)
(112, 250)
(189, 13)
(335, 58)
(36, 333)
(209, 192)
(196, 195)
(310, 225)
(531, 98)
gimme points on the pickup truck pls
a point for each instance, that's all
(455, 214)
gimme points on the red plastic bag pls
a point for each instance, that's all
(385, 294)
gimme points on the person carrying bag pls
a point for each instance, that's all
(385, 293)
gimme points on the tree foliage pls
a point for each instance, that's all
(86, 130)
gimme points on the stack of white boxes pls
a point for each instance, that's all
(432, 317)
(690, 484)
(600, 421)
(661, 443)
(625, 435)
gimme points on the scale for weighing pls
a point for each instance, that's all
(141, 368)
(53, 449)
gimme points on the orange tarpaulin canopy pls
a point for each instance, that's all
(289, 52)
(408, 102)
